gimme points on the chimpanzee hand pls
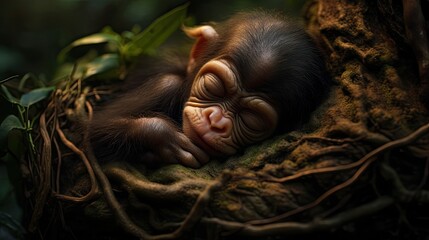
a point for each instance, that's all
(167, 144)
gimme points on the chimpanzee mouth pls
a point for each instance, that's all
(198, 140)
(201, 135)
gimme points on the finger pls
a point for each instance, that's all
(187, 159)
(189, 146)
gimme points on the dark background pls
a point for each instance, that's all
(33, 32)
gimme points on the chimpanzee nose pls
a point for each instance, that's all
(217, 121)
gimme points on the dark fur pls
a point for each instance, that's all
(145, 97)
(295, 81)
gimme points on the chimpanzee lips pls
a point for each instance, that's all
(197, 139)
(202, 136)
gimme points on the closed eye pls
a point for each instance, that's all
(252, 120)
(213, 85)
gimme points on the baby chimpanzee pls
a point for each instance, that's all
(247, 78)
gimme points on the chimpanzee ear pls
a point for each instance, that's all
(203, 35)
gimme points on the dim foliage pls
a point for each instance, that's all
(106, 56)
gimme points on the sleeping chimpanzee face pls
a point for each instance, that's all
(221, 116)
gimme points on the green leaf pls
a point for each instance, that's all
(97, 38)
(35, 96)
(102, 64)
(105, 66)
(8, 96)
(156, 33)
(9, 123)
(64, 71)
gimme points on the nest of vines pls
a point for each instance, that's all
(359, 166)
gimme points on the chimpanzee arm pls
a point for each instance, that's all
(148, 139)
(139, 126)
